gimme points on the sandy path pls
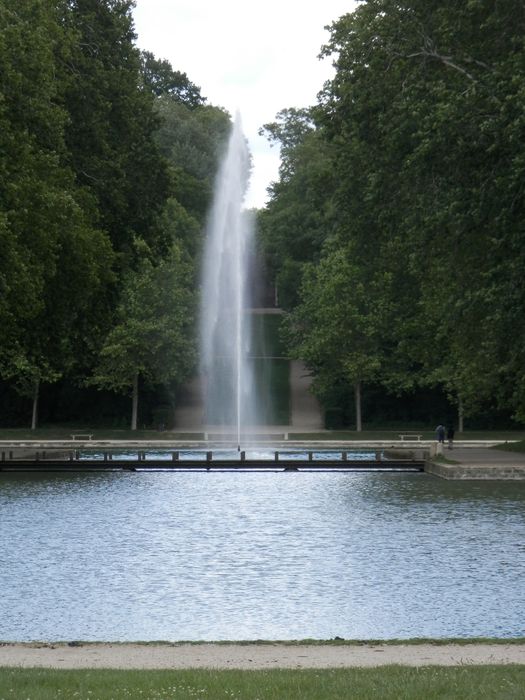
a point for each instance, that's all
(254, 656)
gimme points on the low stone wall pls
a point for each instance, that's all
(493, 472)
(420, 454)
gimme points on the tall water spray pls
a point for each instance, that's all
(225, 318)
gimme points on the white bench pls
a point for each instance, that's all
(410, 436)
(81, 436)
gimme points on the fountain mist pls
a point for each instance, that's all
(225, 321)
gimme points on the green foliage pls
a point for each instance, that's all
(92, 214)
(154, 332)
(159, 78)
(111, 125)
(421, 130)
(335, 328)
(55, 262)
(424, 110)
(299, 215)
(192, 141)
(339, 325)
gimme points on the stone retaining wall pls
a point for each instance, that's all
(478, 472)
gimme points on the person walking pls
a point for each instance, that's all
(450, 436)
(440, 433)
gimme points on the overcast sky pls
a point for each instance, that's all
(257, 59)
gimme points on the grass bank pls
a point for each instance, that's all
(512, 447)
(336, 641)
(389, 434)
(387, 683)
(61, 432)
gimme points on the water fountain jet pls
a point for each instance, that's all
(225, 303)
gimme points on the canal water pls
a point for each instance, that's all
(254, 455)
(214, 556)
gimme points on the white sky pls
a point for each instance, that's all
(257, 59)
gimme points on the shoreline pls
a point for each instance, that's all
(259, 655)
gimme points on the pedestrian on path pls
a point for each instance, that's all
(450, 436)
(440, 433)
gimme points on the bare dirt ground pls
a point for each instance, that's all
(255, 656)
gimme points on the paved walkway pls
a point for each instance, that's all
(306, 415)
(483, 456)
(480, 463)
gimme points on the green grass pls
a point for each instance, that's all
(390, 434)
(61, 432)
(512, 447)
(272, 381)
(386, 683)
(336, 641)
(267, 341)
(444, 460)
(280, 370)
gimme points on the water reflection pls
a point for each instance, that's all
(120, 555)
(253, 454)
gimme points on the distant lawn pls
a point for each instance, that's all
(272, 370)
(511, 447)
(61, 432)
(279, 379)
(272, 379)
(266, 336)
(385, 683)
(390, 434)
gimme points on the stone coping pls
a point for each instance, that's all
(221, 444)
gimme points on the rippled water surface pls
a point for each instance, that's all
(177, 556)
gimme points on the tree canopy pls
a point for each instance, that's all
(106, 155)
(421, 134)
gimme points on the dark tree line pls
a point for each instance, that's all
(396, 231)
(107, 156)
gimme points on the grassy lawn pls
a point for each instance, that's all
(266, 336)
(61, 432)
(444, 460)
(512, 447)
(387, 683)
(389, 434)
(272, 370)
(279, 370)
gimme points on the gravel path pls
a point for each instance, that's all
(254, 656)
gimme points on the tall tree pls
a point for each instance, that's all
(153, 338)
(192, 141)
(299, 215)
(420, 132)
(424, 111)
(160, 78)
(339, 324)
(54, 262)
(111, 126)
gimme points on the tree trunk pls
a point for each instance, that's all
(135, 402)
(460, 415)
(357, 391)
(34, 418)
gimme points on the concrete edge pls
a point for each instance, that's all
(475, 472)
